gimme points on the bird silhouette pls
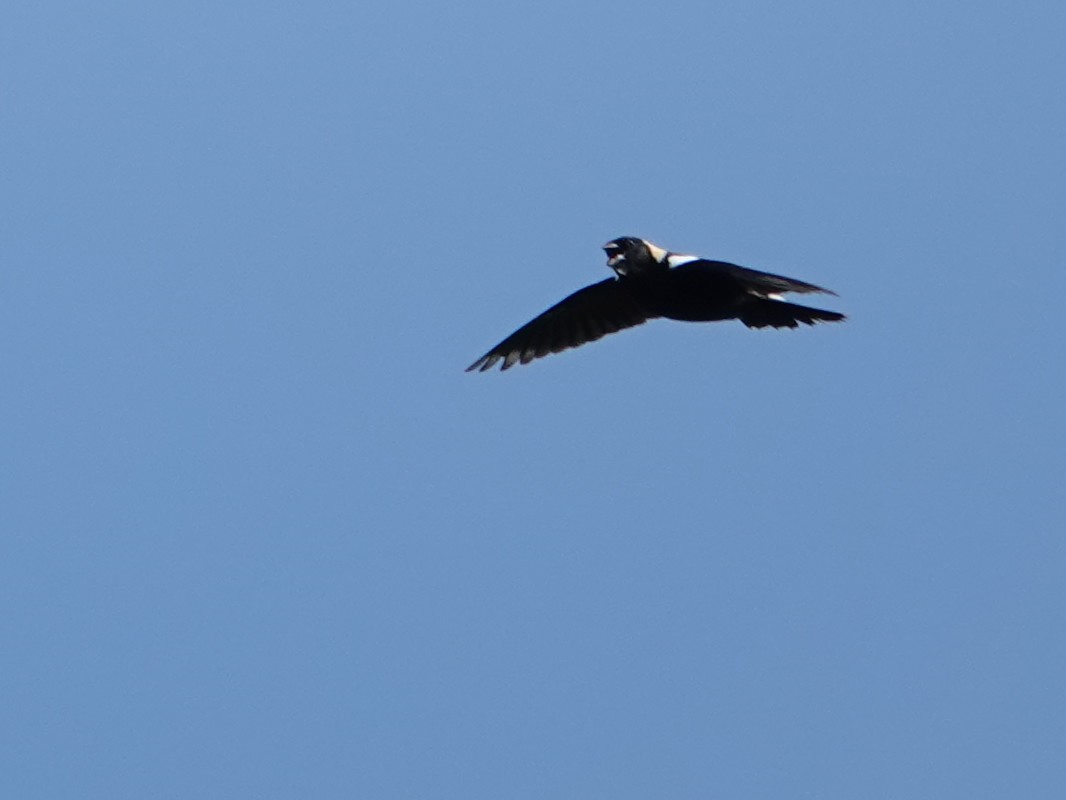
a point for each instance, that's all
(651, 282)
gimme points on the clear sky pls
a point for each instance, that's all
(262, 536)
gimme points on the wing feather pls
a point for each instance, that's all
(763, 283)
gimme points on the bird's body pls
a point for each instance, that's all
(651, 282)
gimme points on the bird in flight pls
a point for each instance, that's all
(651, 282)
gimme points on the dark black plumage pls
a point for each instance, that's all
(651, 282)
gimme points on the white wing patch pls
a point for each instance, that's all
(677, 259)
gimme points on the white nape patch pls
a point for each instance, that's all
(677, 259)
(657, 252)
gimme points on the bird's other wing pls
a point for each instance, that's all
(585, 316)
(765, 283)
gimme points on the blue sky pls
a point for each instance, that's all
(263, 537)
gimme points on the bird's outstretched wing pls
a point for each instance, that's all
(585, 316)
(764, 283)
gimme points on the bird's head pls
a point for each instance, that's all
(628, 255)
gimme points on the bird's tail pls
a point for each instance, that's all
(765, 313)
